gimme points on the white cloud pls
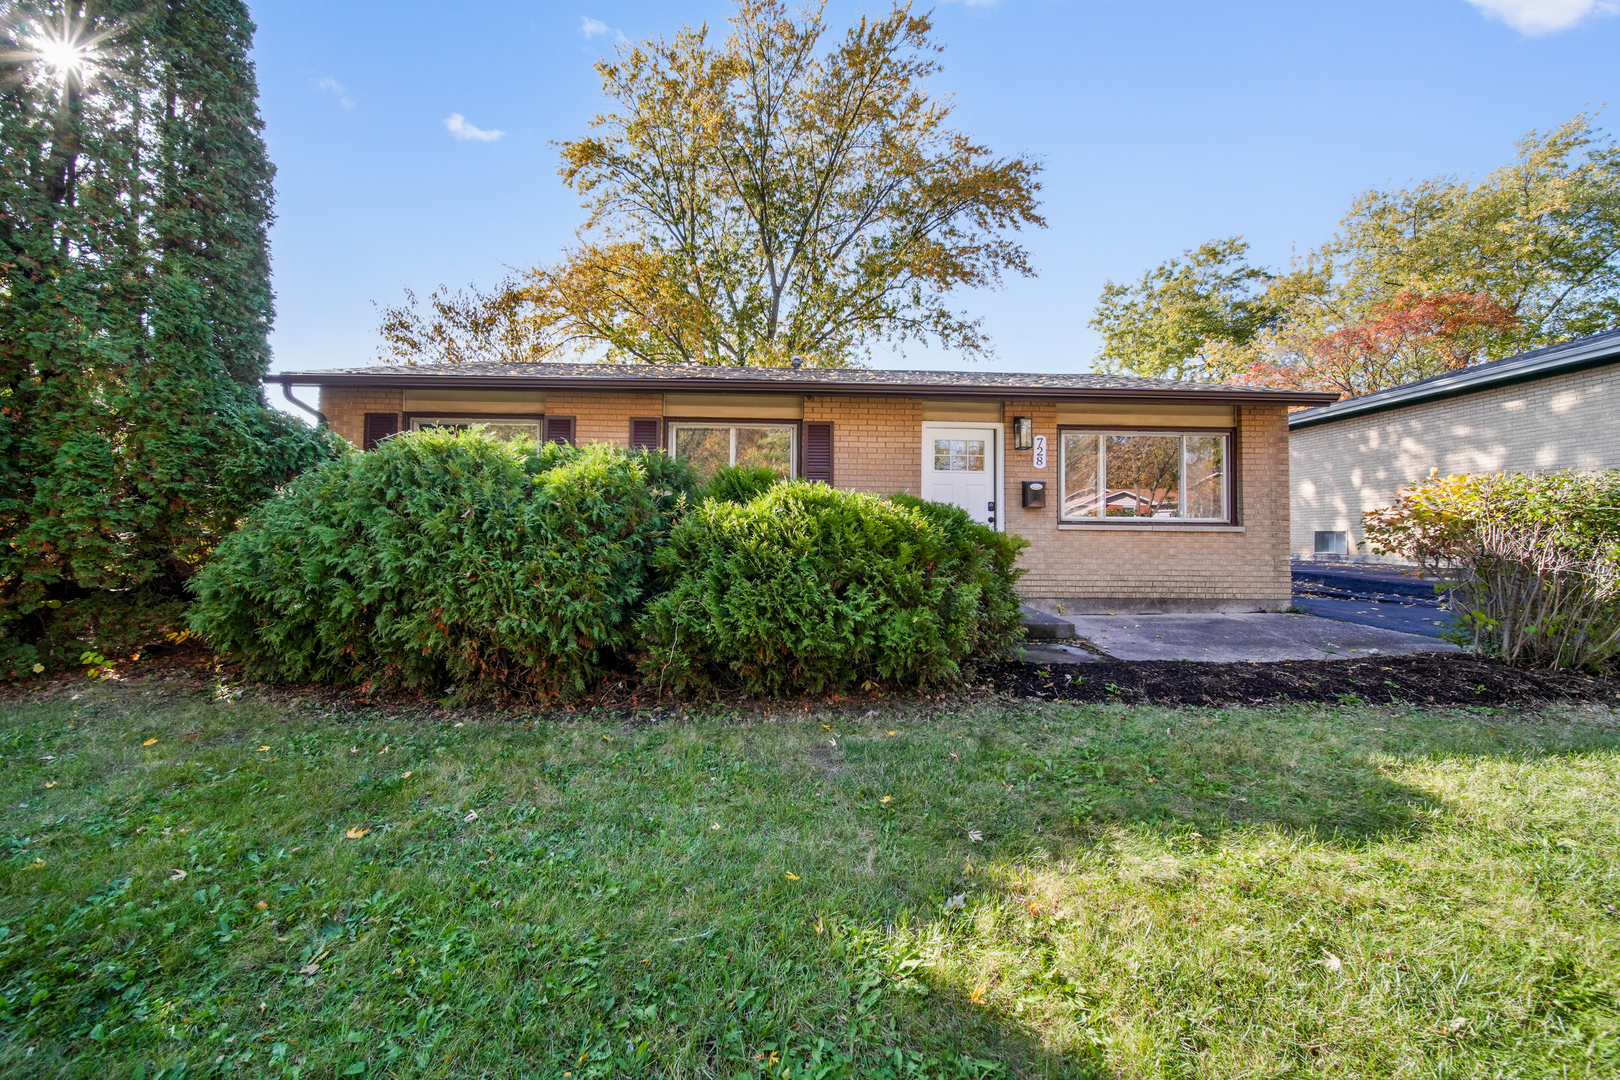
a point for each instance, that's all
(1544, 16)
(462, 130)
(328, 85)
(597, 28)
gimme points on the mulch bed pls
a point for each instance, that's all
(1428, 679)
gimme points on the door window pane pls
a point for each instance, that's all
(1143, 475)
(1081, 483)
(958, 455)
(1206, 476)
(771, 447)
(703, 448)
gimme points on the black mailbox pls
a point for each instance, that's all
(1034, 494)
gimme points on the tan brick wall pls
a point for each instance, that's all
(1343, 469)
(346, 408)
(602, 417)
(877, 447)
(877, 442)
(1153, 567)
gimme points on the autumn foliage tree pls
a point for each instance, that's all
(1408, 338)
(764, 196)
(1418, 281)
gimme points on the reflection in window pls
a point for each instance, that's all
(501, 429)
(1144, 475)
(958, 455)
(703, 448)
(707, 447)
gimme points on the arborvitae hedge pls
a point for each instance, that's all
(446, 562)
(809, 589)
(134, 307)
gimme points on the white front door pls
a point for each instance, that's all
(960, 466)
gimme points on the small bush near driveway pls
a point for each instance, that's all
(445, 560)
(807, 588)
(1534, 558)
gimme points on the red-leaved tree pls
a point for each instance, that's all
(1409, 338)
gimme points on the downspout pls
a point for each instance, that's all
(320, 417)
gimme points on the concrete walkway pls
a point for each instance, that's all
(1238, 638)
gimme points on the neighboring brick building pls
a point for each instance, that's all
(1159, 495)
(1555, 408)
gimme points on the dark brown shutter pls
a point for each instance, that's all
(644, 433)
(379, 425)
(818, 452)
(560, 429)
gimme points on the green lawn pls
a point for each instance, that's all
(996, 890)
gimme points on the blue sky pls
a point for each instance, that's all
(1161, 125)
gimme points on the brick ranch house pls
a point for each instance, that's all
(1134, 494)
(1554, 408)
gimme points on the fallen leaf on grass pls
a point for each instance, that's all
(50, 783)
(975, 835)
(407, 775)
(150, 741)
(886, 799)
(1034, 908)
(262, 749)
(793, 877)
(356, 833)
(309, 969)
(472, 815)
(177, 875)
(892, 734)
(977, 997)
(262, 904)
(1332, 963)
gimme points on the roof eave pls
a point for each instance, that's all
(768, 386)
(1599, 355)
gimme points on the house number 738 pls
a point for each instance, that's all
(1040, 452)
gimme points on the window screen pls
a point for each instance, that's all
(707, 447)
(502, 429)
(1144, 476)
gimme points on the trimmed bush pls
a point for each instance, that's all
(446, 560)
(1533, 560)
(809, 589)
(741, 483)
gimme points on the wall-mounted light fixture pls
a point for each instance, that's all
(1023, 432)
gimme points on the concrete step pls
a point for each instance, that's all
(1039, 626)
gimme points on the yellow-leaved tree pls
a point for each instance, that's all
(755, 199)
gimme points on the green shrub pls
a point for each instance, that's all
(808, 589)
(1532, 560)
(445, 560)
(741, 483)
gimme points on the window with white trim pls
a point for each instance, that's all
(502, 429)
(1145, 476)
(706, 446)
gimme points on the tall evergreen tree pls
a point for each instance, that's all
(135, 194)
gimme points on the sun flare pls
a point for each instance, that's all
(66, 52)
(65, 57)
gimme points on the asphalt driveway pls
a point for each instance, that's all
(1370, 594)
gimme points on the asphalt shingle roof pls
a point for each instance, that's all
(808, 379)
